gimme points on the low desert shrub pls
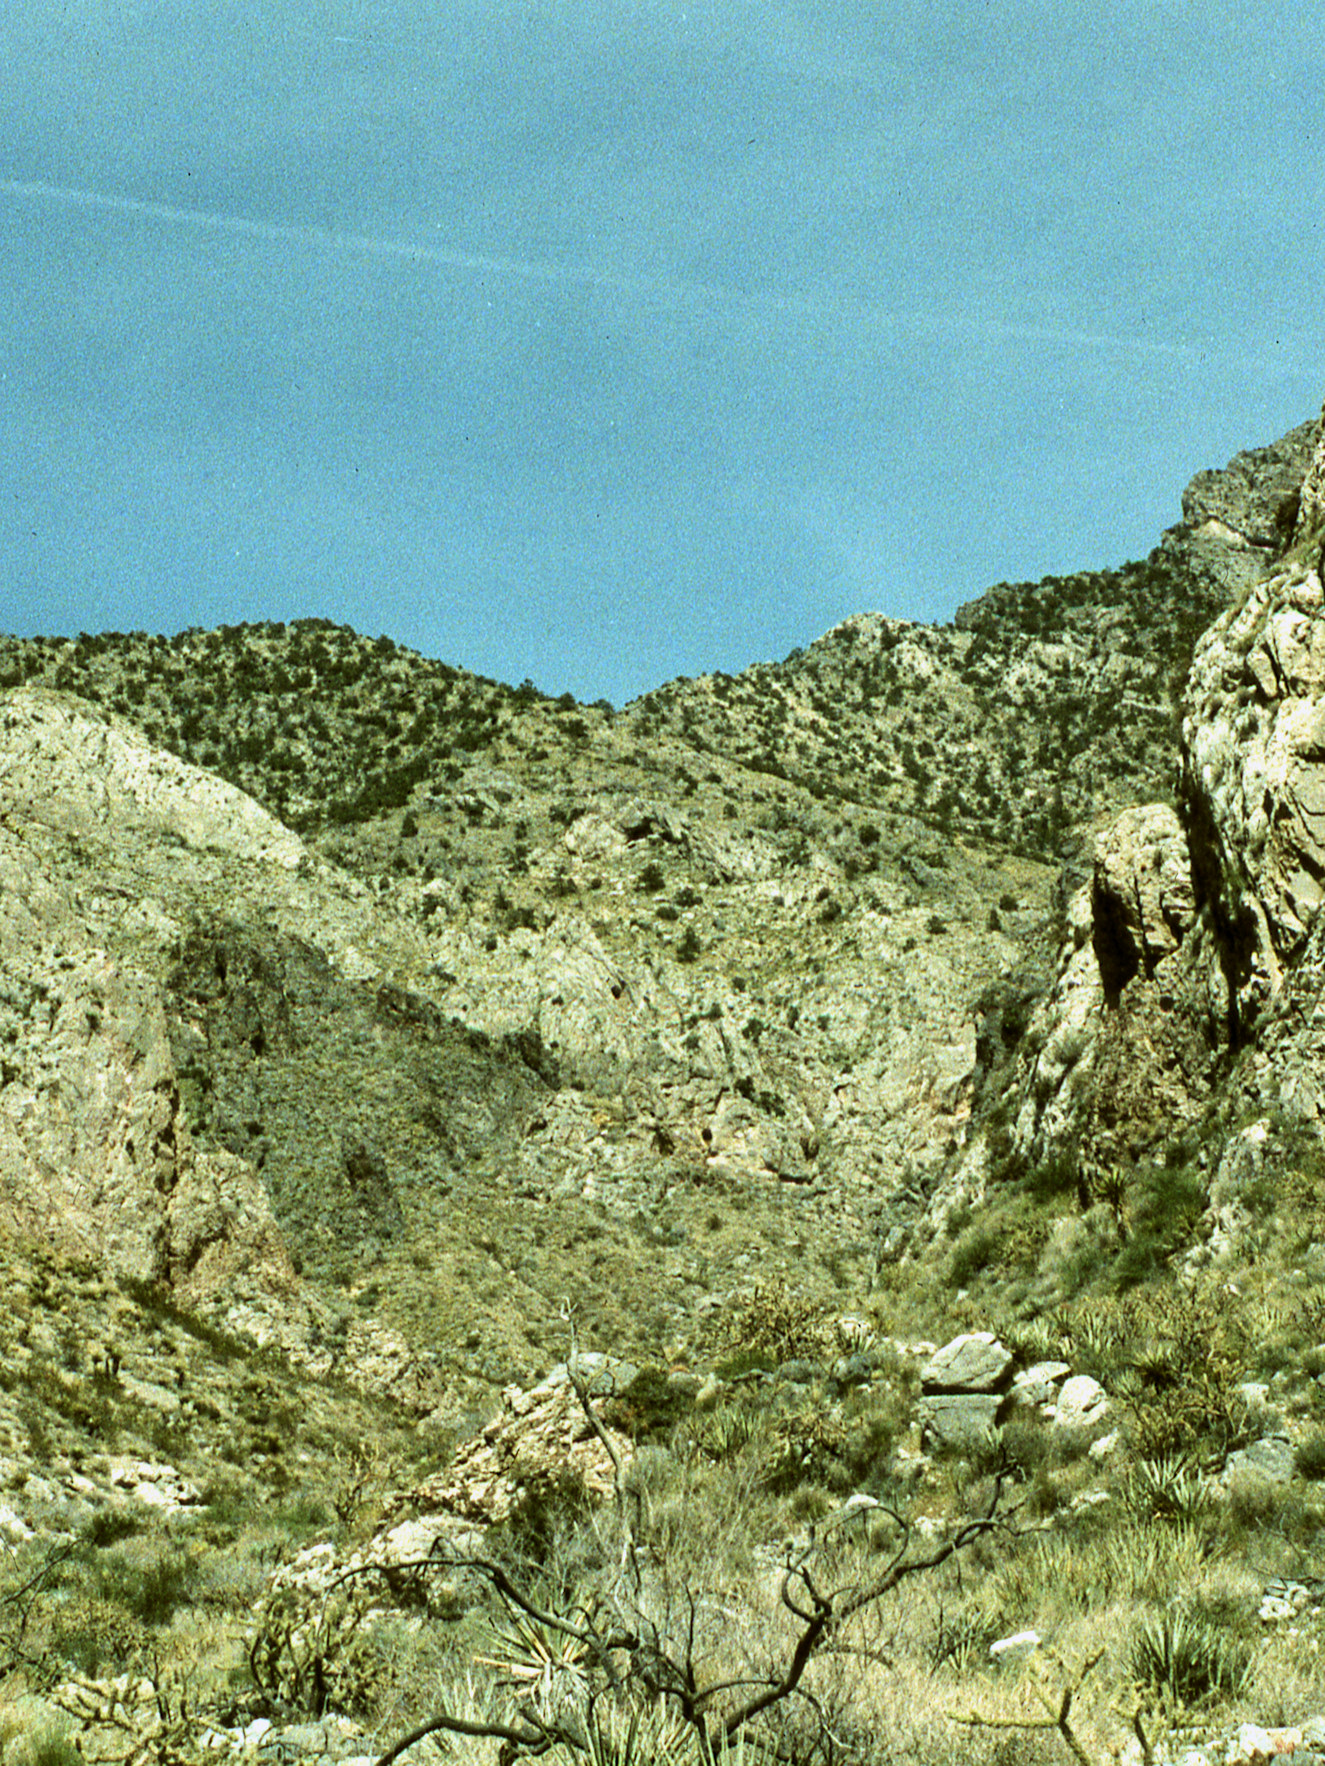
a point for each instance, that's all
(1257, 1504)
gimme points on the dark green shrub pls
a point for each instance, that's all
(975, 1250)
(109, 1525)
(96, 1635)
(1309, 1457)
(1164, 1207)
(1167, 1488)
(805, 1448)
(651, 1406)
(773, 1325)
(151, 1592)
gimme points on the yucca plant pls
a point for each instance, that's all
(1167, 1487)
(648, 1735)
(549, 1665)
(1186, 1660)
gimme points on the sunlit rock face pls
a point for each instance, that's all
(96, 1156)
(1255, 771)
(1311, 499)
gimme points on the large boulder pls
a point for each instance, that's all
(1082, 1405)
(957, 1422)
(973, 1362)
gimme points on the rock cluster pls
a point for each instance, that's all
(969, 1387)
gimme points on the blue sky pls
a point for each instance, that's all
(598, 343)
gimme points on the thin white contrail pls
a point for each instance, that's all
(572, 275)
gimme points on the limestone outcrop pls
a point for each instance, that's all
(1310, 521)
(108, 849)
(1250, 500)
(1142, 905)
(96, 1156)
(541, 1447)
(1254, 738)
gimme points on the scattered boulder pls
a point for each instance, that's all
(1082, 1405)
(1270, 1458)
(1287, 1598)
(158, 1486)
(1039, 1385)
(974, 1362)
(957, 1422)
(1018, 1648)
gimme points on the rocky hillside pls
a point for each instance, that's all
(721, 979)
(366, 1026)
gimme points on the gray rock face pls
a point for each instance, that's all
(1254, 737)
(1270, 1458)
(974, 1362)
(95, 1151)
(1143, 903)
(1311, 501)
(1247, 497)
(957, 1422)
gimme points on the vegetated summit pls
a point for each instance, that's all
(363, 1021)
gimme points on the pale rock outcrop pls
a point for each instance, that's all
(77, 771)
(1254, 737)
(95, 1150)
(1120, 1048)
(155, 1485)
(96, 1156)
(1061, 1038)
(1142, 898)
(1245, 502)
(1311, 498)
(540, 1445)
